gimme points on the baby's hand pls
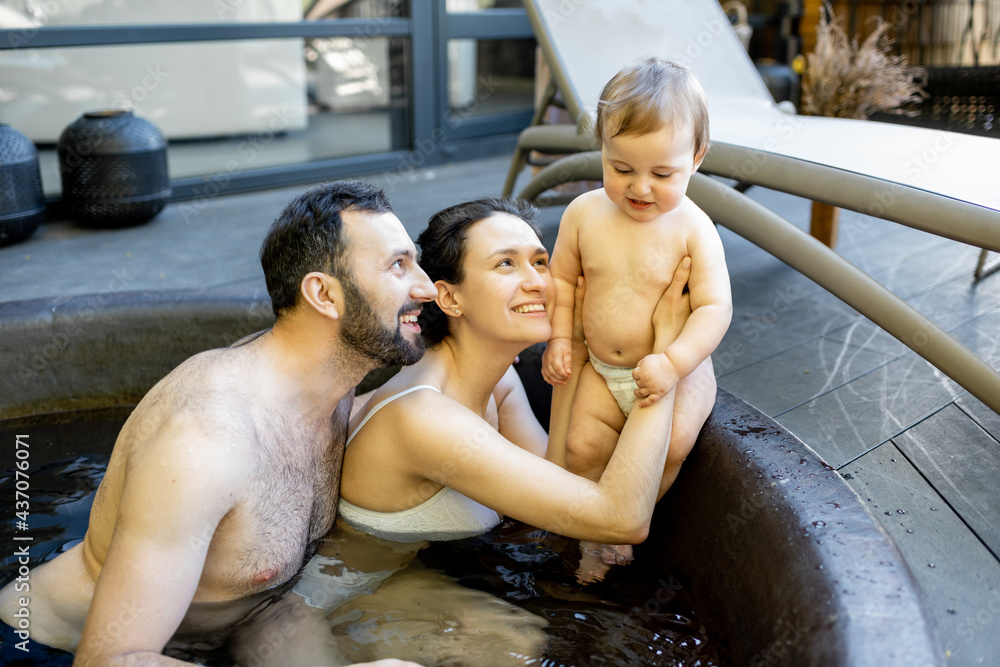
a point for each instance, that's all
(655, 377)
(557, 361)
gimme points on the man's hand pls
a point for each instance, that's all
(655, 377)
(557, 361)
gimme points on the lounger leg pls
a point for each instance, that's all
(517, 164)
(520, 158)
(823, 223)
(983, 268)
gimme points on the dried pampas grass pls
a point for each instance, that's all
(845, 80)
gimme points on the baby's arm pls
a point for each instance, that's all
(565, 267)
(711, 301)
(711, 313)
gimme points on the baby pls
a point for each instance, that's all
(626, 239)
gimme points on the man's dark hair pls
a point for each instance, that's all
(307, 237)
(442, 248)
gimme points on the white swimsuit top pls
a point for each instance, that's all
(447, 515)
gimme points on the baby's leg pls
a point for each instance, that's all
(693, 403)
(596, 422)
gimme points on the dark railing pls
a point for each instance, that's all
(426, 30)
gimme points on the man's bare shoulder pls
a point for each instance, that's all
(211, 395)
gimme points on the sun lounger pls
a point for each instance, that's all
(940, 182)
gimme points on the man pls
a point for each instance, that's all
(228, 470)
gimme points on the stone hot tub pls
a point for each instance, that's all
(780, 557)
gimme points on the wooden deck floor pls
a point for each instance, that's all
(921, 452)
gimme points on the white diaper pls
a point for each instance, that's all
(619, 381)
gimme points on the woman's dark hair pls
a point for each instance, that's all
(307, 237)
(442, 248)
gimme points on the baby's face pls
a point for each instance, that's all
(646, 175)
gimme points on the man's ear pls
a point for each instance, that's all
(447, 299)
(323, 293)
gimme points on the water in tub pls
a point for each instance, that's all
(508, 597)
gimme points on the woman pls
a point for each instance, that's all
(449, 445)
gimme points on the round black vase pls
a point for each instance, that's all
(114, 169)
(22, 204)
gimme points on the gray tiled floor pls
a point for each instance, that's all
(904, 436)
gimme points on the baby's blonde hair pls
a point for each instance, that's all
(649, 94)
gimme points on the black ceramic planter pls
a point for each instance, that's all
(114, 169)
(22, 204)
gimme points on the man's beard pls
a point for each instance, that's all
(361, 329)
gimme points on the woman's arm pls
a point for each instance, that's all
(516, 419)
(453, 446)
(655, 376)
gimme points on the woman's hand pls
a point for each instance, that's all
(580, 353)
(655, 375)
(673, 308)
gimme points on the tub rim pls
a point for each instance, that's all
(749, 500)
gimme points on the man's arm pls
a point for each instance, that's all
(176, 491)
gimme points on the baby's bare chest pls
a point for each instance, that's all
(633, 258)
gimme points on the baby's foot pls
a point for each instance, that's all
(617, 554)
(596, 559)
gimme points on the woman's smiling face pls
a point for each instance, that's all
(507, 286)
